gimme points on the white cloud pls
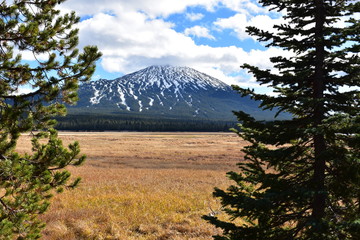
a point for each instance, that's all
(24, 90)
(194, 16)
(342, 22)
(160, 8)
(246, 7)
(199, 31)
(30, 56)
(133, 35)
(131, 41)
(239, 22)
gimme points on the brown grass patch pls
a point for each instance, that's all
(143, 185)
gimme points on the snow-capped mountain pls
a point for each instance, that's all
(164, 91)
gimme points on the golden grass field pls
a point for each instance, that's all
(143, 185)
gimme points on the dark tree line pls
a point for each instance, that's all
(113, 123)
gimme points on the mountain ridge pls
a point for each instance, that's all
(165, 91)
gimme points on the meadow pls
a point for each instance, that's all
(143, 185)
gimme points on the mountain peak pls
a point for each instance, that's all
(167, 66)
(163, 90)
(174, 76)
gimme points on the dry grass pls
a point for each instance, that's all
(143, 185)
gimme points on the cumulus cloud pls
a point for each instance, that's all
(239, 22)
(135, 34)
(246, 7)
(24, 90)
(194, 16)
(160, 8)
(127, 48)
(30, 56)
(199, 31)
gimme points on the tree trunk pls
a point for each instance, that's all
(318, 91)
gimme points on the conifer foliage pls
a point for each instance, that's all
(300, 178)
(34, 28)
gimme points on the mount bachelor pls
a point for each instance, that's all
(165, 92)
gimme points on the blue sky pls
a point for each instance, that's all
(208, 35)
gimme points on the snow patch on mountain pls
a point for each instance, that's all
(160, 90)
(166, 91)
(122, 98)
(165, 80)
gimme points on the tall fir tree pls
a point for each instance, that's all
(27, 181)
(300, 178)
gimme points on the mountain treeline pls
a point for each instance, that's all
(121, 123)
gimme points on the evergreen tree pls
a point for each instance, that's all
(300, 178)
(27, 181)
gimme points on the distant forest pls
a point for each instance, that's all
(121, 123)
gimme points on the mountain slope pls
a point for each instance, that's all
(165, 92)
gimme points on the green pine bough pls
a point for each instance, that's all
(300, 178)
(28, 181)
